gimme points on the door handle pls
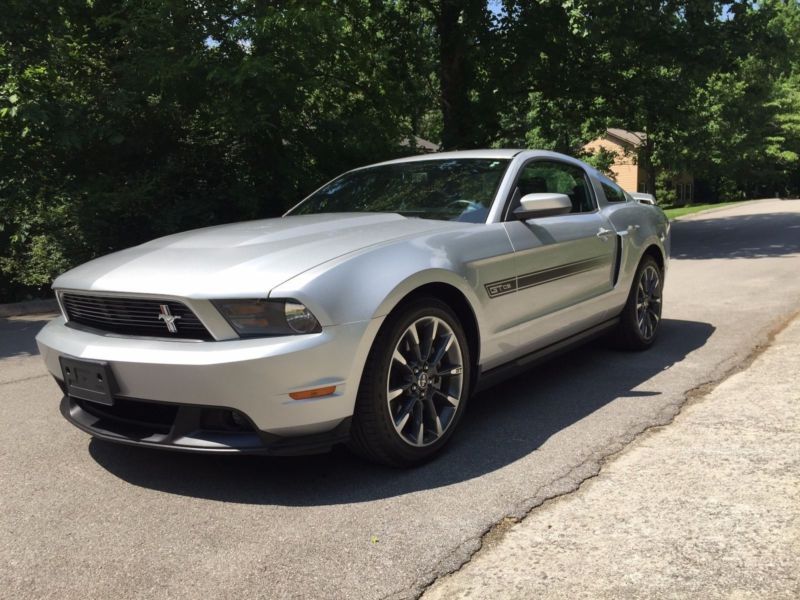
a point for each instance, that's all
(603, 233)
(629, 230)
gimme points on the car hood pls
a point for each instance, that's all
(241, 259)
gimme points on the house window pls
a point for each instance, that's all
(679, 191)
(642, 188)
(689, 189)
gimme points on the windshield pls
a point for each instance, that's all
(454, 190)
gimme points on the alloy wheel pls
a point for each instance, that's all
(425, 381)
(648, 301)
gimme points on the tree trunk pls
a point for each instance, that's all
(454, 99)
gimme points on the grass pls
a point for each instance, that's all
(693, 208)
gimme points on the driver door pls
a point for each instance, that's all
(562, 262)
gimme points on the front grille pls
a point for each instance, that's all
(133, 316)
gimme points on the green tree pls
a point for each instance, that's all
(124, 120)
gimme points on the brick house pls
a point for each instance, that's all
(627, 171)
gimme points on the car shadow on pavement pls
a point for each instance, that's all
(501, 425)
(743, 236)
(18, 335)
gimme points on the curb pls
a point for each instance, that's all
(32, 307)
(721, 208)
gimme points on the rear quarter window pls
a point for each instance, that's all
(613, 192)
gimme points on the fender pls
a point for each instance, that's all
(359, 287)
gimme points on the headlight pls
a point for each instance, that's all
(257, 318)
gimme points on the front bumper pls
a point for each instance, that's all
(250, 377)
(191, 428)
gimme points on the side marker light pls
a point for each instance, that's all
(315, 393)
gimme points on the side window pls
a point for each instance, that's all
(613, 192)
(554, 177)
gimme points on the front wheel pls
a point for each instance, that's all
(414, 387)
(641, 317)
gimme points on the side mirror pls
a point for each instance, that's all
(542, 205)
(644, 198)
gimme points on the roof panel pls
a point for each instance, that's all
(497, 153)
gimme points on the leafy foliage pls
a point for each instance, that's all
(122, 120)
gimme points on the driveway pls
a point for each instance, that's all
(706, 508)
(85, 519)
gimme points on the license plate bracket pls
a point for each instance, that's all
(90, 380)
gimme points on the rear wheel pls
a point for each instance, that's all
(414, 387)
(641, 317)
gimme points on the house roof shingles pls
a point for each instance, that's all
(634, 138)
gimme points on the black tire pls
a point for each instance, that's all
(373, 434)
(630, 333)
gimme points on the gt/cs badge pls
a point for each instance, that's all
(499, 288)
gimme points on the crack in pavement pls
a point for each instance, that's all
(31, 378)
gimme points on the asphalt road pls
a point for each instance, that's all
(86, 519)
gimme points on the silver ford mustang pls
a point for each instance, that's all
(367, 314)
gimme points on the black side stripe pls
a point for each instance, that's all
(513, 284)
(560, 272)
